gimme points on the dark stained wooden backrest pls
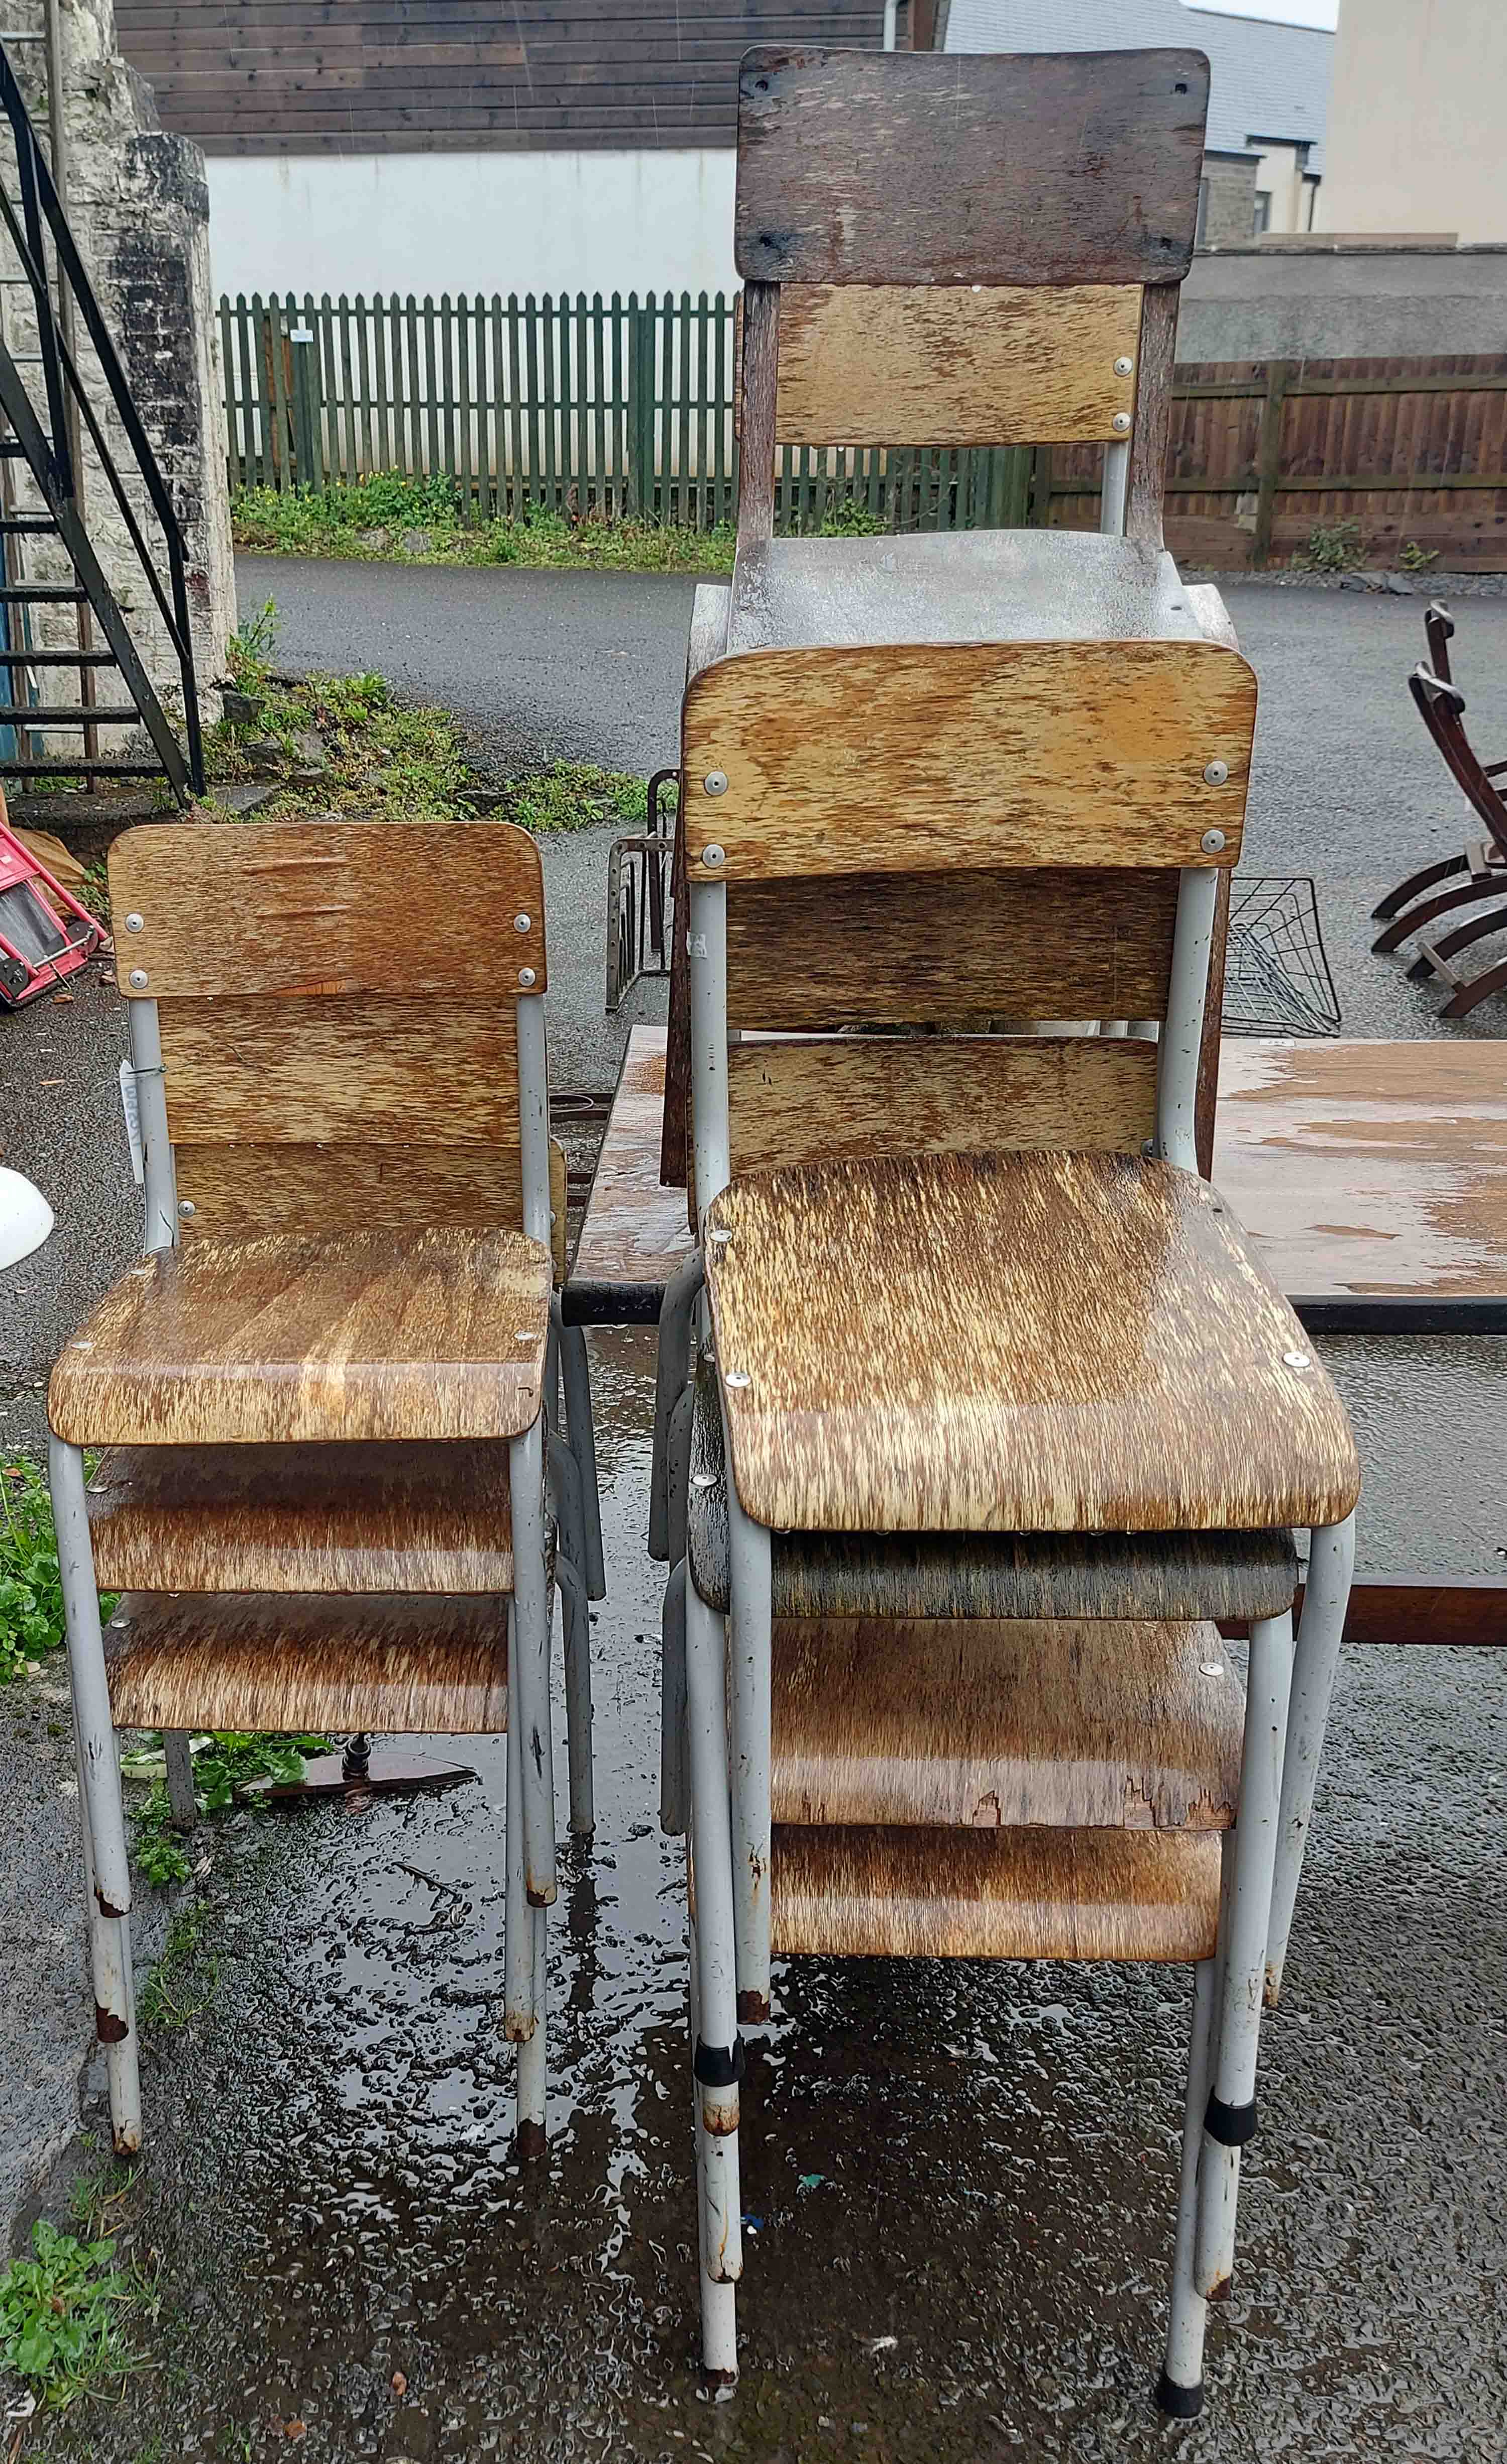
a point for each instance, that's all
(1441, 706)
(337, 1009)
(940, 168)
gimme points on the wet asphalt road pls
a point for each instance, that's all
(975, 2161)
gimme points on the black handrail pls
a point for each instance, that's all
(39, 205)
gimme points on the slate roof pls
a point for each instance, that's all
(1265, 79)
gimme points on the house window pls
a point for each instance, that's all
(1262, 219)
(1201, 226)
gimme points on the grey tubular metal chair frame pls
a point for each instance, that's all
(531, 1885)
(1287, 1701)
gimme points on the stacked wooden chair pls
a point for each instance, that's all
(992, 1417)
(1419, 901)
(328, 1392)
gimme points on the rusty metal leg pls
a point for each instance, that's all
(674, 1784)
(1180, 2391)
(520, 2015)
(1316, 1663)
(531, 1657)
(719, 2325)
(577, 1614)
(1229, 2119)
(718, 2055)
(102, 1813)
(582, 1438)
(672, 1375)
(749, 1644)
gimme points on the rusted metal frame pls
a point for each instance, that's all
(523, 1939)
(751, 1695)
(526, 1476)
(1230, 2117)
(107, 1875)
(718, 2059)
(675, 1779)
(577, 1617)
(1316, 1662)
(673, 1374)
(581, 1438)
(1180, 2389)
(719, 2331)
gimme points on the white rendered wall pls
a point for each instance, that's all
(1416, 119)
(642, 221)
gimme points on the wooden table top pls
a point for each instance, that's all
(1372, 1177)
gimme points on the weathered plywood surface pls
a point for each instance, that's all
(908, 949)
(368, 1335)
(1033, 1342)
(922, 1894)
(929, 166)
(861, 365)
(635, 1231)
(403, 1666)
(311, 1072)
(1360, 1168)
(303, 1518)
(796, 1101)
(913, 758)
(328, 907)
(963, 1722)
(956, 586)
(347, 1186)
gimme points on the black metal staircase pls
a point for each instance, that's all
(46, 436)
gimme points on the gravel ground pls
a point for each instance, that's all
(975, 2163)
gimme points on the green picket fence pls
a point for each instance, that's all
(581, 405)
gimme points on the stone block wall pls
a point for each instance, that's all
(1229, 218)
(139, 212)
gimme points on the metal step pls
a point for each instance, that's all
(64, 768)
(20, 594)
(39, 717)
(24, 658)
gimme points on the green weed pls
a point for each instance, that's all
(1333, 548)
(182, 1982)
(60, 2316)
(574, 796)
(1415, 558)
(31, 1591)
(376, 518)
(850, 518)
(222, 1763)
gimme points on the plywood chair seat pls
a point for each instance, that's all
(403, 1664)
(303, 1518)
(931, 587)
(1120, 1895)
(1032, 1342)
(991, 1723)
(1235, 1575)
(375, 1336)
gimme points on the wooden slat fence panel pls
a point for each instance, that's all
(585, 409)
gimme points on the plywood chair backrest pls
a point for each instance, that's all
(337, 1010)
(896, 880)
(941, 250)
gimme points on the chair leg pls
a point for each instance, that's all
(1481, 988)
(107, 1880)
(1417, 881)
(531, 1659)
(671, 1377)
(577, 1617)
(719, 2301)
(677, 1473)
(1447, 901)
(673, 1782)
(1229, 2119)
(1480, 928)
(1180, 2389)
(1315, 1661)
(182, 1802)
(583, 1435)
(750, 1642)
(718, 2054)
(522, 2015)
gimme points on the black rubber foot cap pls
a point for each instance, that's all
(1179, 2403)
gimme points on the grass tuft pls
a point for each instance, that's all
(61, 2313)
(391, 518)
(31, 1589)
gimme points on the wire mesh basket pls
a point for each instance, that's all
(1277, 976)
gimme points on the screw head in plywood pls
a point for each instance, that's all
(1123, 366)
(715, 783)
(713, 857)
(736, 1377)
(1211, 842)
(1297, 1359)
(1120, 422)
(134, 923)
(137, 979)
(527, 977)
(1216, 773)
(187, 1207)
(521, 923)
